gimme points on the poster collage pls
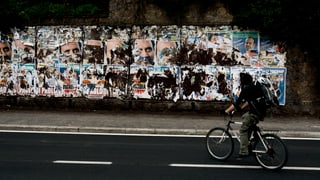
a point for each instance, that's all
(140, 62)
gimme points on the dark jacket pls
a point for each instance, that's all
(252, 94)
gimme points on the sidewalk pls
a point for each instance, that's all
(189, 123)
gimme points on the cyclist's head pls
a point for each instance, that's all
(245, 79)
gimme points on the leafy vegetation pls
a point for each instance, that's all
(20, 12)
(295, 22)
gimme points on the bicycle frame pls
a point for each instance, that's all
(258, 133)
(255, 132)
(230, 129)
(220, 144)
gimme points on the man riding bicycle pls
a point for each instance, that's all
(254, 111)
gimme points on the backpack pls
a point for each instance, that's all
(269, 98)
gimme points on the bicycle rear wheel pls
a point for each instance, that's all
(275, 156)
(219, 143)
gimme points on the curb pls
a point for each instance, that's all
(158, 131)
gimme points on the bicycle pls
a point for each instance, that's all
(268, 149)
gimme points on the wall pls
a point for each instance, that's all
(298, 100)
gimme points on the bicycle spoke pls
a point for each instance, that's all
(269, 150)
(276, 155)
(219, 143)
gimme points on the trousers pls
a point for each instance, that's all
(248, 120)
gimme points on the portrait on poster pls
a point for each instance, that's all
(247, 44)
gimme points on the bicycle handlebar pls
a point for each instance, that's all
(230, 115)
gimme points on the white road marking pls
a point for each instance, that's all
(241, 167)
(82, 162)
(193, 165)
(215, 166)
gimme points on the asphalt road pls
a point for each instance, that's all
(122, 156)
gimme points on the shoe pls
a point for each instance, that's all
(241, 156)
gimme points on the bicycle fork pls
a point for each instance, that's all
(223, 137)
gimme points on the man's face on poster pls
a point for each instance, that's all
(145, 48)
(5, 49)
(249, 44)
(71, 48)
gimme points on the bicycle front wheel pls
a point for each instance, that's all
(275, 156)
(219, 143)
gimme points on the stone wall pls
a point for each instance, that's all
(140, 12)
(302, 89)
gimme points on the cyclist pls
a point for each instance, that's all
(248, 102)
